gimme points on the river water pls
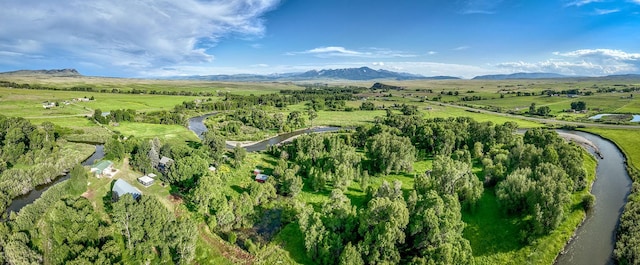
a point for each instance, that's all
(196, 124)
(23, 200)
(595, 240)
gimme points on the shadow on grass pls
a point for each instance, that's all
(292, 240)
(490, 231)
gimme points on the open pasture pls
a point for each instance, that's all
(158, 85)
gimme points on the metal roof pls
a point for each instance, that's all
(122, 187)
(102, 165)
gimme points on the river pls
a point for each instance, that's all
(594, 241)
(196, 125)
(23, 200)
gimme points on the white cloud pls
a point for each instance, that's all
(580, 3)
(337, 51)
(421, 67)
(606, 11)
(461, 48)
(130, 34)
(486, 7)
(432, 52)
(589, 62)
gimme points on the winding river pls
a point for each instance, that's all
(23, 200)
(594, 241)
(196, 125)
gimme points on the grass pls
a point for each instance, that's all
(497, 239)
(126, 84)
(627, 140)
(148, 130)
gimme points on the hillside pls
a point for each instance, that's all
(52, 73)
(362, 73)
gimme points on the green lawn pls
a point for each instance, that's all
(148, 130)
(497, 239)
(628, 140)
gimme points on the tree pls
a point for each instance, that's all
(295, 119)
(382, 226)
(544, 111)
(77, 182)
(239, 153)
(312, 115)
(350, 256)
(455, 177)
(532, 108)
(578, 105)
(114, 149)
(512, 193)
(367, 105)
(290, 184)
(186, 171)
(214, 144)
(389, 152)
(434, 232)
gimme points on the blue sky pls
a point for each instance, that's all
(200, 37)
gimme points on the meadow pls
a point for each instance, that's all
(495, 238)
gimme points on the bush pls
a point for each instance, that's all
(588, 201)
(232, 237)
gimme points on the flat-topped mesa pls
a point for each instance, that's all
(69, 72)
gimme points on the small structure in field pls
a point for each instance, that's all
(48, 105)
(121, 187)
(262, 178)
(104, 168)
(146, 180)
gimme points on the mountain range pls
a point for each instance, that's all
(355, 74)
(362, 73)
(53, 72)
(520, 76)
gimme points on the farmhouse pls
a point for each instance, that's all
(261, 178)
(104, 168)
(121, 187)
(146, 180)
(164, 163)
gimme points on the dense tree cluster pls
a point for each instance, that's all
(324, 160)
(62, 228)
(30, 156)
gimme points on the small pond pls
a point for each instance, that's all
(636, 118)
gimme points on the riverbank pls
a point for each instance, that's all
(594, 241)
(582, 141)
(299, 132)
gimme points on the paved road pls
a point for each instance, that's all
(542, 120)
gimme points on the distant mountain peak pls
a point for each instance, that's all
(52, 72)
(519, 76)
(360, 73)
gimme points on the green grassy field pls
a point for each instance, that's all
(628, 140)
(125, 84)
(497, 239)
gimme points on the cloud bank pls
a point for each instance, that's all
(587, 62)
(337, 51)
(134, 35)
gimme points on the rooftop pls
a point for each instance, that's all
(122, 187)
(103, 164)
